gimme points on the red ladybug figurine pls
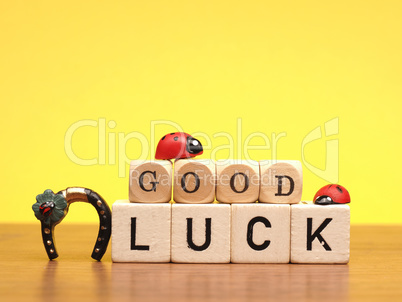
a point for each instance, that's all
(178, 145)
(332, 194)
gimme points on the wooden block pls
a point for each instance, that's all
(260, 233)
(320, 234)
(194, 181)
(200, 233)
(237, 181)
(281, 181)
(150, 181)
(140, 232)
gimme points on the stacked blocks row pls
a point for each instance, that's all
(201, 181)
(225, 211)
(238, 233)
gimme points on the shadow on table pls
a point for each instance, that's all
(229, 281)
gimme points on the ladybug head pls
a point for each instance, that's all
(193, 146)
(332, 194)
(178, 145)
(46, 208)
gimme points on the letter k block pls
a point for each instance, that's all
(320, 234)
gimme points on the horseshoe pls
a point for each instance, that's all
(51, 209)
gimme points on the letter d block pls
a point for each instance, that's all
(201, 233)
(140, 232)
(281, 181)
(194, 181)
(150, 181)
(260, 233)
(237, 181)
(320, 234)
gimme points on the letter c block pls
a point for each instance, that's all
(150, 181)
(260, 233)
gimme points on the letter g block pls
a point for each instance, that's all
(150, 181)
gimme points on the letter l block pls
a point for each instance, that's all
(140, 232)
(320, 234)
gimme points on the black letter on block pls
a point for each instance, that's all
(246, 182)
(292, 185)
(311, 237)
(250, 227)
(183, 182)
(141, 181)
(133, 234)
(190, 242)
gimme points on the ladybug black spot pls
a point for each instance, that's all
(163, 137)
(175, 138)
(339, 189)
(172, 133)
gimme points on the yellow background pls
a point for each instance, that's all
(280, 66)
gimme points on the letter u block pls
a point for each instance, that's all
(237, 181)
(200, 233)
(150, 181)
(320, 234)
(281, 181)
(194, 181)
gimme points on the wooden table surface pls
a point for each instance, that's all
(374, 272)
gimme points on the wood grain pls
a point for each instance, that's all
(374, 272)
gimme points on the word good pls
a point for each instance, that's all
(197, 181)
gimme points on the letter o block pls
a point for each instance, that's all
(194, 181)
(281, 181)
(237, 181)
(150, 181)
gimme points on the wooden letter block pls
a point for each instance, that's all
(237, 181)
(150, 181)
(281, 181)
(194, 181)
(320, 234)
(140, 232)
(200, 233)
(260, 233)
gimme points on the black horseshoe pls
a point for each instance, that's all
(75, 194)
